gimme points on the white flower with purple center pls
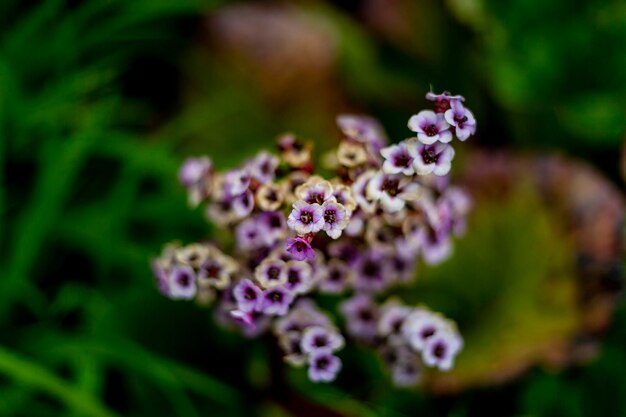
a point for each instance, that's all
(182, 283)
(433, 159)
(306, 218)
(263, 167)
(392, 191)
(420, 326)
(430, 127)
(462, 119)
(315, 191)
(236, 182)
(276, 301)
(317, 338)
(436, 245)
(271, 273)
(398, 160)
(216, 271)
(299, 277)
(392, 319)
(195, 170)
(361, 316)
(343, 195)
(359, 189)
(335, 218)
(243, 204)
(300, 249)
(270, 197)
(441, 349)
(323, 366)
(252, 234)
(443, 101)
(192, 255)
(248, 296)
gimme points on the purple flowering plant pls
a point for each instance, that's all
(355, 235)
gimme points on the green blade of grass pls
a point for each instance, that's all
(26, 372)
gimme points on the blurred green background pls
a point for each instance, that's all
(101, 100)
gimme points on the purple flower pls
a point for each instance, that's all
(316, 338)
(194, 170)
(436, 245)
(248, 296)
(300, 249)
(251, 234)
(430, 127)
(462, 119)
(335, 218)
(182, 283)
(323, 366)
(392, 319)
(336, 278)
(441, 349)
(361, 316)
(276, 301)
(243, 204)
(435, 158)
(263, 167)
(306, 218)
(236, 182)
(299, 277)
(420, 326)
(443, 101)
(398, 160)
(271, 273)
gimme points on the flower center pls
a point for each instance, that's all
(390, 185)
(320, 341)
(329, 216)
(184, 280)
(306, 217)
(430, 156)
(431, 130)
(365, 315)
(315, 198)
(460, 120)
(294, 276)
(402, 160)
(439, 351)
(273, 272)
(322, 363)
(212, 270)
(371, 269)
(427, 332)
(249, 294)
(276, 296)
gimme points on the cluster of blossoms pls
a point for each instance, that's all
(360, 233)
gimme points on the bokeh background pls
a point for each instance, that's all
(101, 100)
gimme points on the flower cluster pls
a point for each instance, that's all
(359, 233)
